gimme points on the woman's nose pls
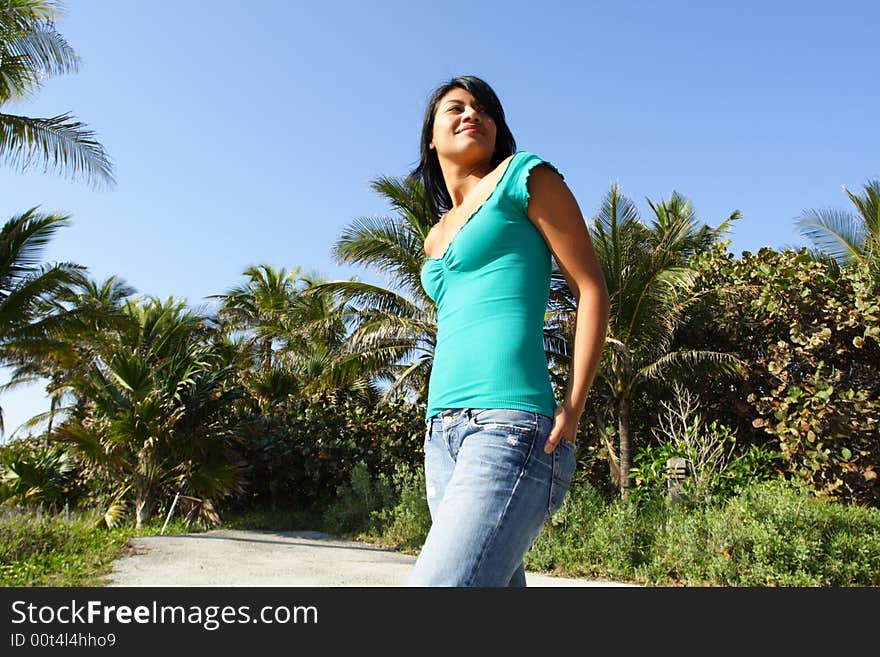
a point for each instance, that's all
(471, 114)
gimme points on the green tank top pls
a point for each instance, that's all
(491, 288)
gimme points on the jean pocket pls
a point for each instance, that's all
(564, 465)
(505, 419)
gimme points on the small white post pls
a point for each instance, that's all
(170, 511)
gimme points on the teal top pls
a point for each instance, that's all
(491, 288)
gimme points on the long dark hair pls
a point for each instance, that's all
(428, 170)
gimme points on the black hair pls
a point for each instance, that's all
(436, 195)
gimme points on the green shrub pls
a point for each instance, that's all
(301, 458)
(811, 335)
(589, 536)
(63, 549)
(405, 525)
(770, 534)
(32, 473)
(716, 465)
(352, 509)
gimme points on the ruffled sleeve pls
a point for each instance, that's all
(526, 161)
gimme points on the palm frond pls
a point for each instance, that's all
(711, 363)
(60, 142)
(834, 232)
(358, 295)
(25, 303)
(868, 206)
(23, 239)
(386, 245)
(42, 49)
(40, 420)
(20, 15)
(407, 196)
(414, 375)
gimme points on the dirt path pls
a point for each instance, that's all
(269, 558)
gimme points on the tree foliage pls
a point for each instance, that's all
(31, 51)
(810, 333)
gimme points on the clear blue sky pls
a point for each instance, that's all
(246, 133)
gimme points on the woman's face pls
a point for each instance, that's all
(462, 127)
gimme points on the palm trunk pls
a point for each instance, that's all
(139, 513)
(143, 509)
(52, 405)
(623, 431)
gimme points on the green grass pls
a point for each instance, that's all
(39, 549)
(769, 535)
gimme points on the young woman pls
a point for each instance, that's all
(499, 450)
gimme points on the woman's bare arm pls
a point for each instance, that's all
(554, 211)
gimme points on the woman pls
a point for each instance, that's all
(499, 450)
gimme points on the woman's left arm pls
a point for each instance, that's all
(555, 213)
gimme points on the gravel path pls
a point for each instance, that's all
(269, 558)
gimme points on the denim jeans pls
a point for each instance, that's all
(490, 488)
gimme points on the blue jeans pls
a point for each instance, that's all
(490, 488)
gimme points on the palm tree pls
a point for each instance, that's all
(651, 289)
(30, 292)
(320, 351)
(292, 336)
(394, 329)
(31, 51)
(849, 239)
(151, 417)
(258, 309)
(82, 315)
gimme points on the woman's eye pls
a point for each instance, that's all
(480, 110)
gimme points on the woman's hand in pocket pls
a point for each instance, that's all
(565, 425)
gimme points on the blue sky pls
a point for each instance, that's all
(248, 133)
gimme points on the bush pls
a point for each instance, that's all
(301, 459)
(32, 473)
(772, 533)
(811, 335)
(716, 464)
(405, 525)
(392, 511)
(352, 509)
